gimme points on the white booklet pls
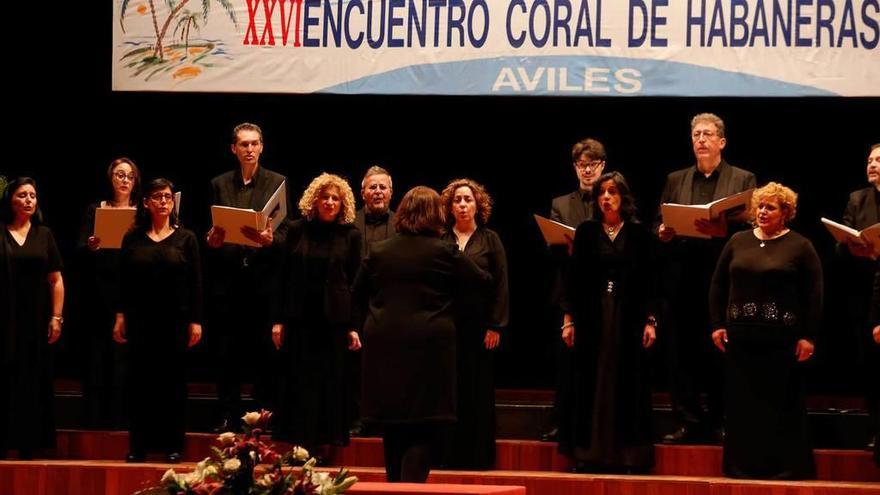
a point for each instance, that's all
(683, 218)
(868, 236)
(111, 224)
(553, 231)
(233, 219)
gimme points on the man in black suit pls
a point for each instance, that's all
(374, 223)
(588, 161)
(242, 280)
(687, 272)
(863, 211)
(374, 219)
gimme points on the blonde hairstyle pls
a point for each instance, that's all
(481, 198)
(785, 196)
(308, 204)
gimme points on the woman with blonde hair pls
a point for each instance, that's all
(766, 308)
(314, 322)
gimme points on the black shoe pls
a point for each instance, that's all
(356, 430)
(172, 458)
(872, 442)
(682, 434)
(135, 457)
(551, 435)
(717, 436)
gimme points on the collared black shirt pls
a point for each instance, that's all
(378, 227)
(244, 192)
(587, 200)
(704, 187)
(877, 200)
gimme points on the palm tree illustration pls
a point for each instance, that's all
(176, 8)
(187, 21)
(152, 14)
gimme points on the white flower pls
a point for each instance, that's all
(251, 418)
(265, 481)
(231, 465)
(203, 463)
(210, 471)
(227, 438)
(300, 454)
(170, 477)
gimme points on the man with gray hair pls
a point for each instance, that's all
(374, 223)
(374, 219)
(687, 272)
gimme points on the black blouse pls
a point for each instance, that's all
(775, 282)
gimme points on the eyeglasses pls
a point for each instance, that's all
(585, 164)
(122, 176)
(706, 134)
(158, 197)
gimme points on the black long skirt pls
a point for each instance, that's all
(767, 431)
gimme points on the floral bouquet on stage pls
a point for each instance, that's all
(232, 469)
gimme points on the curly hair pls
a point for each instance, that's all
(773, 190)
(308, 204)
(481, 197)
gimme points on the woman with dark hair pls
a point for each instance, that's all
(31, 318)
(159, 318)
(103, 368)
(409, 285)
(480, 321)
(609, 302)
(314, 328)
(766, 306)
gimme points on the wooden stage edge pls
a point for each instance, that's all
(511, 455)
(116, 478)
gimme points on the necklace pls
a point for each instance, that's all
(778, 234)
(611, 229)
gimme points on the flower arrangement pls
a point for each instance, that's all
(232, 469)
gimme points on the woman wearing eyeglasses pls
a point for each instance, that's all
(31, 303)
(103, 367)
(160, 317)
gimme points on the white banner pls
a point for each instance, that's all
(500, 47)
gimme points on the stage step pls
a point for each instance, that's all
(115, 478)
(838, 423)
(511, 455)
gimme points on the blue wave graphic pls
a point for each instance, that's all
(566, 75)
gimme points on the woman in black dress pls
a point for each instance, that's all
(766, 307)
(609, 296)
(314, 327)
(31, 318)
(410, 284)
(160, 317)
(103, 372)
(481, 320)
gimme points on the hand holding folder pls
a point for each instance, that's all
(248, 227)
(868, 239)
(703, 221)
